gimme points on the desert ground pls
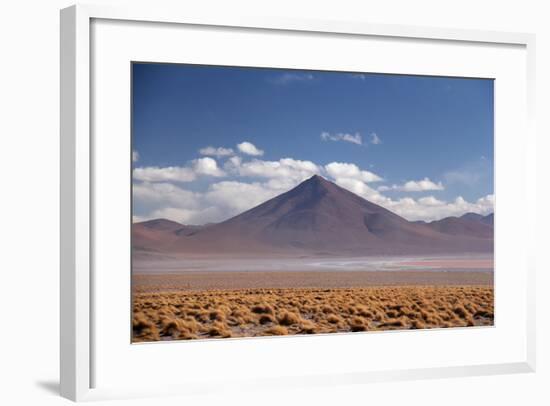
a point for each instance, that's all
(196, 301)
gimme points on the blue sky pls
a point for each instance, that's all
(430, 133)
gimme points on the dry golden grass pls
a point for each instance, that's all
(261, 312)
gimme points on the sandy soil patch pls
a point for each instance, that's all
(205, 280)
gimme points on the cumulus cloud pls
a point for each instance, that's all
(234, 197)
(156, 193)
(352, 138)
(218, 202)
(217, 152)
(293, 169)
(421, 185)
(360, 188)
(202, 166)
(249, 149)
(414, 186)
(223, 199)
(168, 173)
(164, 194)
(135, 156)
(166, 200)
(430, 201)
(207, 166)
(232, 164)
(339, 170)
(375, 139)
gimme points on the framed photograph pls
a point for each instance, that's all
(262, 202)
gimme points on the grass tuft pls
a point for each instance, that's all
(276, 331)
(181, 315)
(287, 318)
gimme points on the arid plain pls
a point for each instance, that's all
(431, 293)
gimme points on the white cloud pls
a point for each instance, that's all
(249, 149)
(430, 208)
(202, 166)
(375, 139)
(164, 194)
(430, 201)
(421, 185)
(217, 152)
(360, 188)
(169, 173)
(339, 170)
(139, 219)
(487, 202)
(235, 197)
(293, 169)
(135, 156)
(414, 186)
(352, 138)
(219, 202)
(232, 164)
(207, 166)
(165, 200)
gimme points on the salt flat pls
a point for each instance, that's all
(480, 262)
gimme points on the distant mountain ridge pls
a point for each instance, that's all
(488, 219)
(317, 217)
(469, 224)
(152, 235)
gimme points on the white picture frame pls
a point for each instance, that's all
(77, 282)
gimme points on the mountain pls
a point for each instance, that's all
(317, 217)
(467, 225)
(161, 225)
(158, 234)
(489, 219)
(472, 217)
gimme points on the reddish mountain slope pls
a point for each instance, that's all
(159, 234)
